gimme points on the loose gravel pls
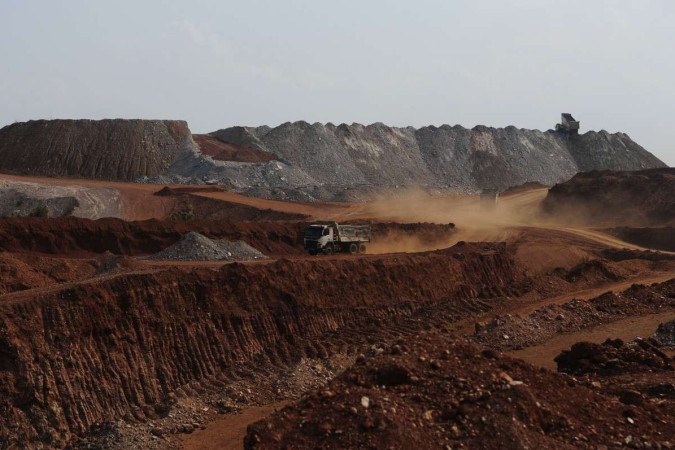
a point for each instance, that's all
(196, 247)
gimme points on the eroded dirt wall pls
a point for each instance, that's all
(114, 348)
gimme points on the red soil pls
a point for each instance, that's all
(431, 392)
(125, 342)
(82, 237)
(606, 198)
(20, 271)
(227, 151)
(203, 208)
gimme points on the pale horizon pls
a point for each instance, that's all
(221, 64)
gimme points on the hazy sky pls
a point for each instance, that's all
(221, 63)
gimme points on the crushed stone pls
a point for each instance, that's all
(197, 247)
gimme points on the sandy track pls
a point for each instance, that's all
(227, 432)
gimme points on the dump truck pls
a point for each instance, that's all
(567, 124)
(330, 237)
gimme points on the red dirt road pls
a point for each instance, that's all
(227, 432)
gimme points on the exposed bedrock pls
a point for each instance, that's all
(115, 347)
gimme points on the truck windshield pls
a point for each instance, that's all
(313, 232)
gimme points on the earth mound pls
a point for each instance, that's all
(111, 149)
(659, 238)
(605, 198)
(613, 357)
(665, 334)
(430, 392)
(197, 247)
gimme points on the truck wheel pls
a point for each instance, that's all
(328, 250)
(353, 249)
(362, 248)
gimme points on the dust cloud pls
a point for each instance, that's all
(475, 220)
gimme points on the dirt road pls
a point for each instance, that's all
(627, 329)
(227, 432)
(140, 203)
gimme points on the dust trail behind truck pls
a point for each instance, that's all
(330, 237)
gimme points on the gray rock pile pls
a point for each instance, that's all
(196, 247)
(316, 161)
(348, 162)
(17, 204)
(21, 199)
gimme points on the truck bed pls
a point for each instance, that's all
(354, 233)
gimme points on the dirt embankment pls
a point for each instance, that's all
(197, 207)
(431, 392)
(20, 271)
(114, 149)
(125, 343)
(81, 237)
(516, 332)
(624, 199)
(660, 238)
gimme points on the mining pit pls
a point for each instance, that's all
(458, 327)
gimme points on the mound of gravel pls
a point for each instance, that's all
(196, 247)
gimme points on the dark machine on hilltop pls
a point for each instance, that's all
(329, 237)
(567, 124)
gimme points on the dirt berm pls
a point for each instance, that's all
(82, 237)
(659, 238)
(615, 199)
(115, 347)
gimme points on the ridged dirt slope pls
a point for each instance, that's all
(115, 347)
(107, 149)
(481, 157)
(604, 198)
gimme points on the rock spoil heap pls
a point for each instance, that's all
(21, 199)
(194, 246)
(346, 159)
(302, 161)
(106, 149)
